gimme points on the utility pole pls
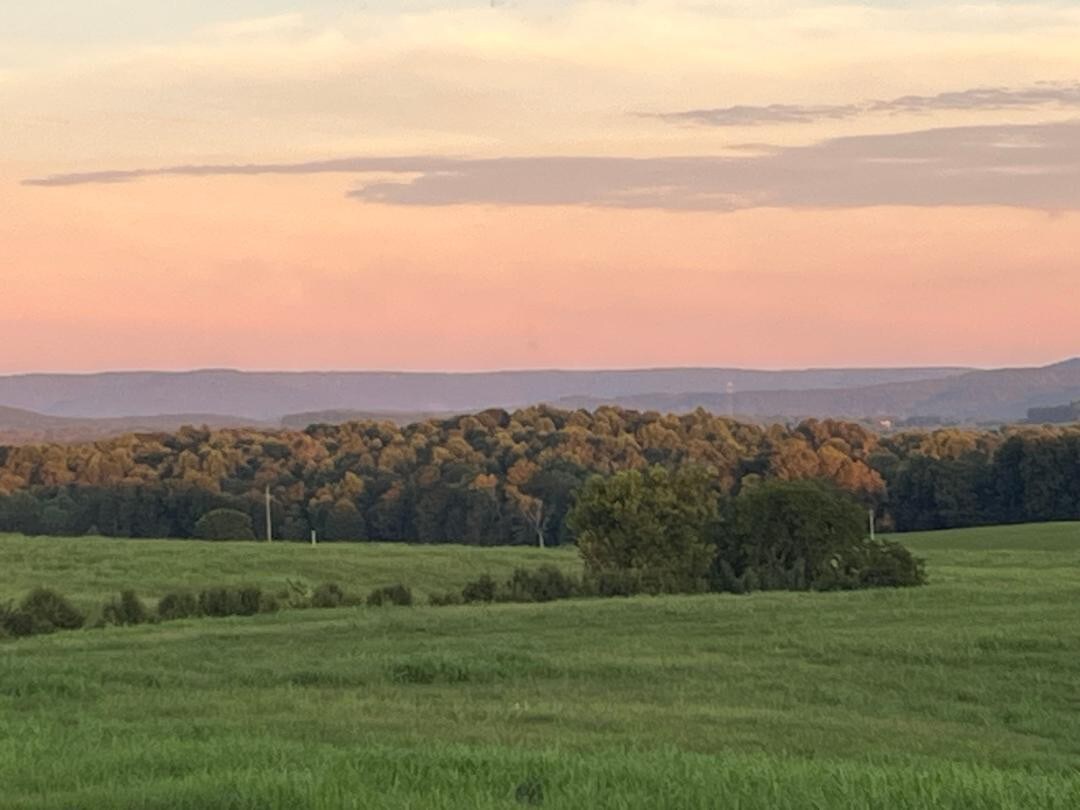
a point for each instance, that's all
(269, 525)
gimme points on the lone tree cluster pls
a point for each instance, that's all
(657, 531)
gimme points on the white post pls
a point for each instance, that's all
(872, 527)
(313, 540)
(269, 526)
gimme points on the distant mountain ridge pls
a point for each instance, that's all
(18, 426)
(74, 407)
(267, 396)
(995, 395)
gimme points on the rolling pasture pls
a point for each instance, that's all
(961, 694)
(89, 570)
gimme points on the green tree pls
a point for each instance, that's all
(646, 530)
(224, 524)
(21, 512)
(803, 534)
(343, 522)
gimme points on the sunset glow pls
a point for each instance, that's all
(807, 191)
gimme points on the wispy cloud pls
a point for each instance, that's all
(743, 115)
(978, 98)
(1031, 166)
(986, 98)
(355, 165)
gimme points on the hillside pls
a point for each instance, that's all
(1000, 395)
(89, 570)
(954, 696)
(299, 421)
(1055, 414)
(19, 426)
(65, 408)
(268, 396)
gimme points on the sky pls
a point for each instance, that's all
(465, 185)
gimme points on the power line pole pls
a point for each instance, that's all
(269, 525)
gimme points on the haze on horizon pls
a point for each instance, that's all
(464, 185)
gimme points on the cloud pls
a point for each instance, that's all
(985, 98)
(357, 165)
(749, 115)
(1031, 166)
(977, 98)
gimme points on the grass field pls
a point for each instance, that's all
(962, 694)
(89, 570)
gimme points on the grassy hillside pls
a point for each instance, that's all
(958, 695)
(89, 570)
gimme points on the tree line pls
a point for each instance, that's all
(499, 477)
(651, 531)
(1056, 414)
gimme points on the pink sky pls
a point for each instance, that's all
(483, 268)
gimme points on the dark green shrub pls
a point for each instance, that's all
(225, 524)
(128, 609)
(219, 602)
(269, 603)
(18, 624)
(837, 576)
(390, 595)
(249, 600)
(246, 601)
(544, 584)
(179, 605)
(891, 565)
(482, 589)
(615, 583)
(14, 622)
(328, 595)
(49, 611)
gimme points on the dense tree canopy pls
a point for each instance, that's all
(499, 477)
(647, 529)
(224, 524)
(661, 531)
(803, 534)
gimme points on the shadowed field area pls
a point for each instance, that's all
(961, 694)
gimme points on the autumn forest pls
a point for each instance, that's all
(496, 477)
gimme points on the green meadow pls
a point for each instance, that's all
(961, 694)
(89, 570)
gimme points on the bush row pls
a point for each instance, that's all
(45, 611)
(40, 611)
(882, 564)
(544, 584)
